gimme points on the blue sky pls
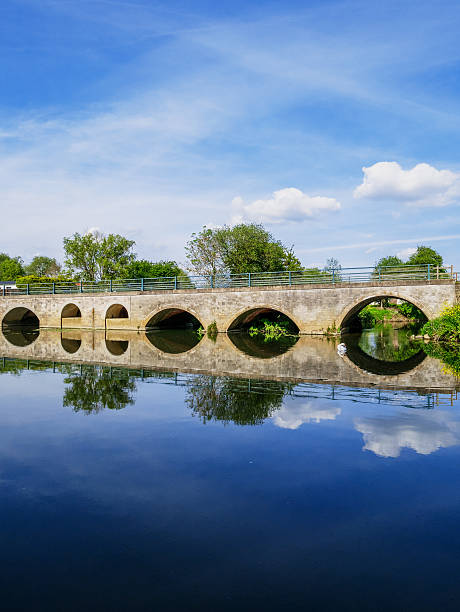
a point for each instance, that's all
(336, 124)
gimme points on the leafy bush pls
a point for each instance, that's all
(446, 327)
(272, 330)
(371, 316)
(22, 281)
(411, 312)
(212, 331)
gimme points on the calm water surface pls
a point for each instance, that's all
(129, 488)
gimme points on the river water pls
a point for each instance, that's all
(169, 472)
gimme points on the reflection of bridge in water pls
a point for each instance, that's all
(309, 360)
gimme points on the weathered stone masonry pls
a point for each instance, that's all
(313, 308)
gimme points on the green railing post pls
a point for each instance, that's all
(110, 285)
(290, 278)
(142, 284)
(428, 271)
(81, 285)
(333, 275)
(54, 287)
(175, 282)
(249, 279)
(28, 289)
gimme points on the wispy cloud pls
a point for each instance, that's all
(361, 245)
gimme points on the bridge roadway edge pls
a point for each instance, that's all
(313, 308)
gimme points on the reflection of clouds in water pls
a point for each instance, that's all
(294, 415)
(423, 432)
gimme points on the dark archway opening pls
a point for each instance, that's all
(21, 336)
(117, 347)
(173, 318)
(173, 331)
(20, 317)
(255, 316)
(382, 309)
(70, 311)
(379, 335)
(381, 367)
(117, 311)
(174, 341)
(70, 345)
(257, 346)
(20, 326)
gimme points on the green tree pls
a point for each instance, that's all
(94, 256)
(389, 261)
(204, 253)
(142, 268)
(10, 267)
(425, 255)
(43, 266)
(247, 247)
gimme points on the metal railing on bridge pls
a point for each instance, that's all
(327, 276)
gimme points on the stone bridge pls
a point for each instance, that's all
(313, 308)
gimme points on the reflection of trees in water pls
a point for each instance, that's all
(449, 354)
(388, 343)
(257, 346)
(243, 402)
(94, 388)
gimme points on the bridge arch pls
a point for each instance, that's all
(116, 311)
(246, 316)
(172, 316)
(70, 311)
(350, 312)
(21, 315)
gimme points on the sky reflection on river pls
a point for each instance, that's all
(127, 488)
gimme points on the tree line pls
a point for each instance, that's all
(243, 248)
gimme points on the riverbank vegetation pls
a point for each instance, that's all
(446, 327)
(373, 315)
(273, 328)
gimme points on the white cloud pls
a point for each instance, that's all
(294, 415)
(422, 185)
(289, 204)
(423, 432)
(406, 253)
